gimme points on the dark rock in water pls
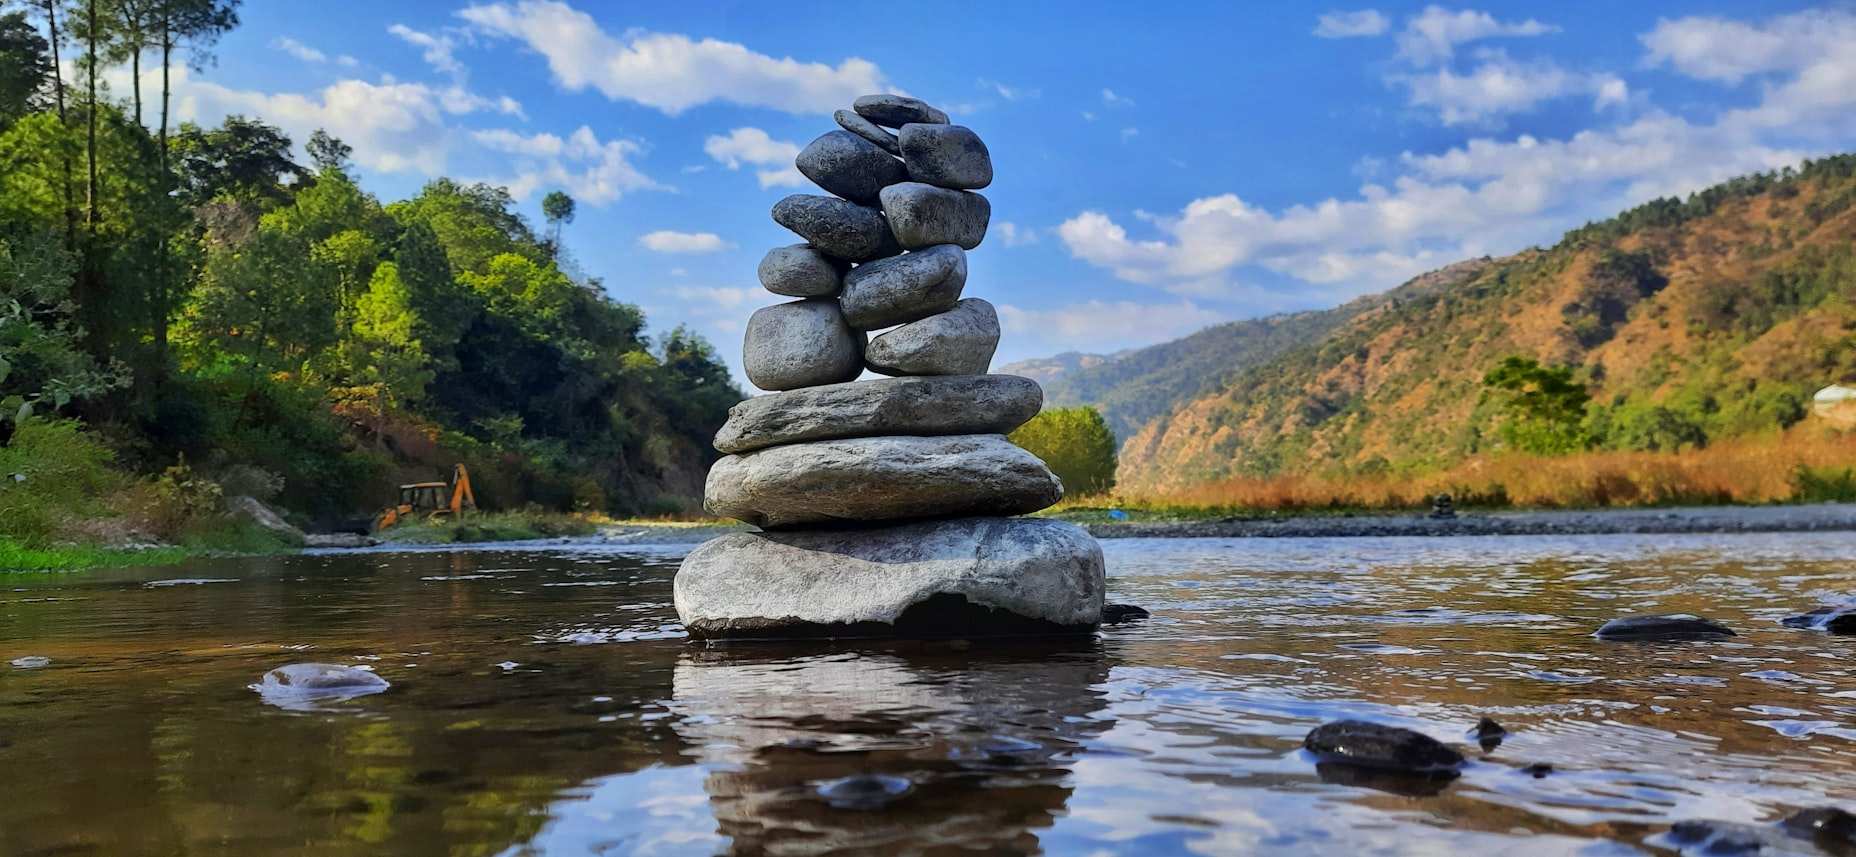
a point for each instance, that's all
(1115, 614)
(1489, 734)
(1406, 783)
(865, 791)
(1719, 838)
(305, 687)
(1836, 620)
(1828, 826)
(1538, 770)
(1372, 745)
(1674, 626)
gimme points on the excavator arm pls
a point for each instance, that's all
(461, 496)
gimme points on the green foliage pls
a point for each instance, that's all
(1824, 485)
(42, 367)
(1544, 408)
(25, 68)
(1078, 446)
(241, 159)
(18, 557)
(51, 471)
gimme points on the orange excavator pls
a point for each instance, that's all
(428, 498)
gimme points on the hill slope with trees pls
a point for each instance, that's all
(201, 297)
(1680, 323)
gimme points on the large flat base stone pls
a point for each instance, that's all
(965, 577)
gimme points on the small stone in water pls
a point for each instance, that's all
(1489, 734)
(865, 791)
(299, 687)
(1116, 614)
(31, 662)
(1538, 770)
(1674, 626)
(1836, 620)
(508, 665)
(1824, 824)
(1357, 742)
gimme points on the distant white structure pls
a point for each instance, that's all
(1837, 404)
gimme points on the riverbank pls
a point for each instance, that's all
(1701, 519)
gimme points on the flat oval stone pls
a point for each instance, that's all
(896, 111)
(960, 341)
(922, 215)
(879, 479)
(850, 166)
(305, 687)
(901, 289)
(837, 227)
(962, 577)
(800, 344)
(801, 271)
(850, 121)
(926, 407)
(1674, 626)
(949, 156)
(1372, 745)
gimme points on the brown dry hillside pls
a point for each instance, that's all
(1688, 321)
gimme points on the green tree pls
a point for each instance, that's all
(327, 152)
(26, 69)
(558, 208)
(42, 366)
(196, 26)
(242, 159)
(1078, 446)
(1544, 409)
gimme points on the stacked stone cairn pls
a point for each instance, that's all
(884, 505)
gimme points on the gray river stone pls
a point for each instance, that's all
(1836, 620)
(932, 406)
(879, 479)
(1372, 745)
(949, 156)
(960, 341)
(964, 577)
(1671, 626)
(801, 271)
(903, 288)
(850, 166)
(800, 344)
(896, 111)
(837, 227)
(922, 215)
(850, 121)
(305, 687)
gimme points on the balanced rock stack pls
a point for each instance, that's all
(884, 504)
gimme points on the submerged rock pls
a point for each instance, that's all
(1673, 626)
(1836, 620)
(1710, 838)
(1828, 826)
(964, 577)
(865, 791)
(31, 662)
(1373, 745)
(1116, 614)
(306, 687)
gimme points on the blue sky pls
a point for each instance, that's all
(1160, 167)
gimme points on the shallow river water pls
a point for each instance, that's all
(544, 702)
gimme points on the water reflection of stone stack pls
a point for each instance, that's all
(890, 463)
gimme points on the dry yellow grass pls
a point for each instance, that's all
(1746, 470)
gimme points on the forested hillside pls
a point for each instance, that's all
(210, 296)
(1133, 389)
(1668, 327)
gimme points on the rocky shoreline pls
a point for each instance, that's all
(1707, 519)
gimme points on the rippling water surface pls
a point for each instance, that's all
(543, 702)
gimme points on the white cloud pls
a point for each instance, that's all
(1099, 326)
(393, 127)
(1500, 85)
(672, 72)
(596, 172)
(1129, 133)
(346, 61)
(1088, 116)
(1729, 51)
(1347, 25)
(774, 158)
(1111, 99)
(298, 49)
(436, 50)
(1014, 235)
(1009, 93)
(667, 241)
(1432, 36)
